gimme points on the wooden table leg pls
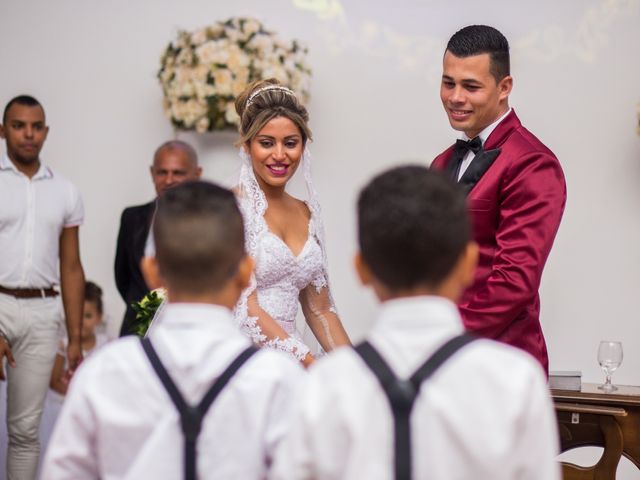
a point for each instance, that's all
(606, 467)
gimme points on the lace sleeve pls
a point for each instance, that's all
(264, 330)
(321, 316)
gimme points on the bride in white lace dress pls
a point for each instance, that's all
(283, 234)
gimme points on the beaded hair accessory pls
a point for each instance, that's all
(266, 88)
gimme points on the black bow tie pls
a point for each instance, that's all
(475, 145)
(459, 152)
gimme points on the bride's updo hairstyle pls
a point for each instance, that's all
(264, 100)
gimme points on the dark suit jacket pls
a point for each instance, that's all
(132, 237)
(516, 203)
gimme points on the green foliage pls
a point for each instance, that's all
(145, 311)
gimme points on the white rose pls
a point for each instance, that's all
(199, 73)
(215, 30)
(251, 26)
(204, 90)
(238, 86)
(261, 42)
(230, 114)
(242, 74)
(193, 110)
(202, 125)
(199, 37)
(233, 35)
(166, 107)
(161, 292)
(207, 51)
(258, 64)
(222, 80)
(184, 57)
(166, 74)
(237, 60)
(183, 74)
(222, 53)
(290, 65)
(173, 91)
(186, 89)
(178, 110)
(273, 58)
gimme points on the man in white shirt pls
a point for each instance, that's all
(39, 220)
(119, 420)
(485, 413)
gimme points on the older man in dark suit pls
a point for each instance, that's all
(515, 190)
(174, 162)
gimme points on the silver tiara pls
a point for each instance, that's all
(264, 89)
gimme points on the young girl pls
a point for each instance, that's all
(91, 318)
(92, 338)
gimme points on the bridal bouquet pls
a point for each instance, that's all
(202, 72)
(146, 310)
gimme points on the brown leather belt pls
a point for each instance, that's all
(29, 292)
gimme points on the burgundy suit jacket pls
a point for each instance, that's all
(516, 197)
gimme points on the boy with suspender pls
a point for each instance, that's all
(195, 399)
(419, 399)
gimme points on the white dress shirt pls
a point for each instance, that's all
(486, 414)
(484, 134)
(34, 212)
(118, 420)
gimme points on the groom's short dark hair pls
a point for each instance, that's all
(412, 227)
(478, 39)
(199, 236)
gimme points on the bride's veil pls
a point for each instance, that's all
(253, 204)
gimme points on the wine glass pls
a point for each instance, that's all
(609, 358)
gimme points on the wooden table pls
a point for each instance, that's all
(591, 417)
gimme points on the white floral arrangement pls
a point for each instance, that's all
(202, 72)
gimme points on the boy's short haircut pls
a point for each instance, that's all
(199, 236)
(412, 227)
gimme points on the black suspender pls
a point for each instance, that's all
(191, 416)
(402, 394)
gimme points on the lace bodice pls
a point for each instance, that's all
(282, 280)
(281, 276)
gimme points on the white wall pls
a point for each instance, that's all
(375, 103)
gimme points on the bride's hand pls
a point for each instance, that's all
(308, 360)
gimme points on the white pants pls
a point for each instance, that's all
(31, 325)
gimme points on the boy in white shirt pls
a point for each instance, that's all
(119, 419)
(481, 410)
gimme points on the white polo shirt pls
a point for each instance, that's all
(33, 212)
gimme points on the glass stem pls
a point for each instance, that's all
(608, 380)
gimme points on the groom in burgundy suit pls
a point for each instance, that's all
(515, 190)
